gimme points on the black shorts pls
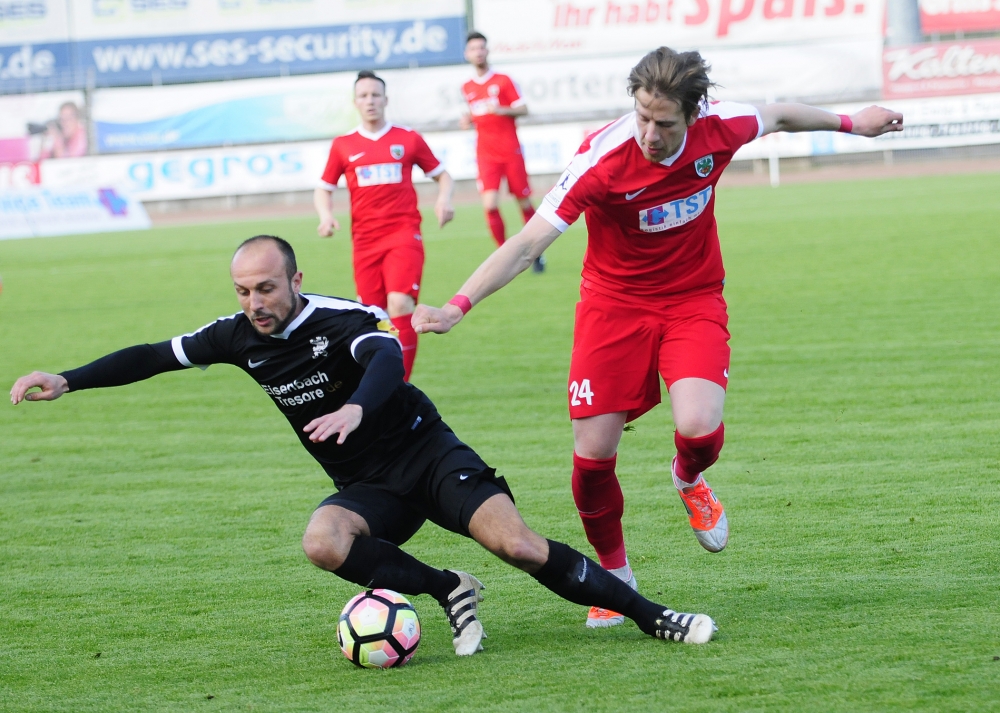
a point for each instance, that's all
(455, 481)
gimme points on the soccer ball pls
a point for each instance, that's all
(378, 629)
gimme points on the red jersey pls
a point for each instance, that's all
(651, 226)
(379, 171)
(496, 135)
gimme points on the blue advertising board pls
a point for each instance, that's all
(231, 55)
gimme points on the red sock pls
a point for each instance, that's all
(696, 455)
(495, 221)
(527, 212)
(408, 340)
(599, 500)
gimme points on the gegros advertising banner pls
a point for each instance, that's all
(139, 42)
(946, 16)
(523, 29)
(939, 69)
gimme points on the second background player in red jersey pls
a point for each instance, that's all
(377, 160)
(495, 102)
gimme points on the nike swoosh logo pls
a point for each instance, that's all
(583, 575)
(630, 196)
(725, 373)
(254, 364)
(355, 157)
(462, 477)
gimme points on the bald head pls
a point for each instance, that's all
(267, 283)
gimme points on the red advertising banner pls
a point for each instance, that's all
(18, 174)
(940, 69)
(946, 16)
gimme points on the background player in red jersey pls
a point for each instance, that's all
(495, 102)
(377, 159)
(651, 296)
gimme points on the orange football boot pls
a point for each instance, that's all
(705, 513)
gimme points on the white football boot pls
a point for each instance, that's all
(689, 628)
(462, 607)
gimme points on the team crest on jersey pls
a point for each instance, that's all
(396, 151)
(319, 345)
(704, 165)
(493, 90)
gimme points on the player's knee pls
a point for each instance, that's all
(697, 424)
(524, 550)
(327, 550)
(399, 303)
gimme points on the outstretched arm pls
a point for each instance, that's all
(116, 369)
(871, 121)
(507, 262)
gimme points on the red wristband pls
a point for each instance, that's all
(462, 302)
(845, 123)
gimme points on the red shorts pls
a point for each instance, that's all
(490, 173)
(394, 264)
(619, 347)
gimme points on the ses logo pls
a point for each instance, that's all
(675, 213)
(115, 8)
(24, 10)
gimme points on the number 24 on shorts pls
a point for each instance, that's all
(581, 391)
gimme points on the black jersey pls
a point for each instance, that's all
(310, 370)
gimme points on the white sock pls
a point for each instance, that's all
(623, 573)
(681, 484)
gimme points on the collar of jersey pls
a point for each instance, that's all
(303, 316)
(374, 137)
(483, 79)
(669, 160)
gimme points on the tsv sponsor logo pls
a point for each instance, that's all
(378, 174)
(675, 213)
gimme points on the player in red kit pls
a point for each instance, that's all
(494, 104)
(377, 159)
(651, 302)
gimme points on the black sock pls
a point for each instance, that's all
(374, 563)
(580, 580)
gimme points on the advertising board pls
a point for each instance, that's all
(429, 98)
(948, 16)
(41, 212)
(48, 44)
(548, 149)
(111, 19)
(942, 69)
(38, 126)
(532, 29)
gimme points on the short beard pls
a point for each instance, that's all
(283, 324)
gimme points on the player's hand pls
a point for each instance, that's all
(875, 121)
(432, 319)
(444, 212)
(327, 228)
(465, 122)
(343, 421)
(52, 387)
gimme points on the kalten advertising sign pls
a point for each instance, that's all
(946, 16)
(941, 69)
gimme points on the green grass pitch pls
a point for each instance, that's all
(149, 535)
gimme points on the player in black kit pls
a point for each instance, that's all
(335, 370)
